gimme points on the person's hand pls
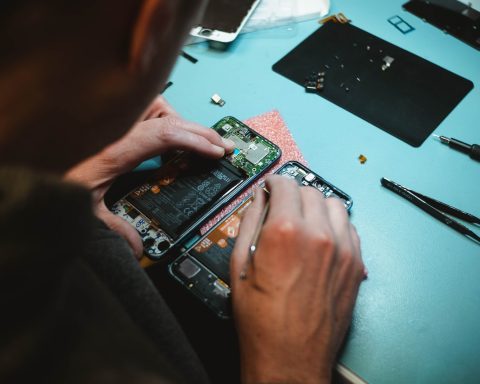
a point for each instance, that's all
(294, 307)
(162, 130)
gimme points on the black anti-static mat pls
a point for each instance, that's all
(408, 99)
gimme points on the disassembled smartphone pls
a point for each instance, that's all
(305, 176)
(204, 269)
(223, 19)
(187, 190)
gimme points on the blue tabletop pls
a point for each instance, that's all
(417, 319)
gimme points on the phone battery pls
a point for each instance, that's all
(183, 191)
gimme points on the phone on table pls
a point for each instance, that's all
(223, 19)
(188, 189)
(204, 269)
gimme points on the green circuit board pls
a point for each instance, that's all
(253, 153)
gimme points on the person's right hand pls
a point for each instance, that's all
(294, 308)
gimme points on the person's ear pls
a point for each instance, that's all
(154, 20)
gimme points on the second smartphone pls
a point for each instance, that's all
(204, 269)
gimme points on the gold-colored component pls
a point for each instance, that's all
(362, 159)
(338, 18)
(222, 243)
(145, 262)
(222, 283)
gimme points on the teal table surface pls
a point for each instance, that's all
(417, 318)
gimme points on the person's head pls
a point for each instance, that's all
(74, 76)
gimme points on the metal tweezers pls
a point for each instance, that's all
(436, 208)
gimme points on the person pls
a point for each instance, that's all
(76, 306)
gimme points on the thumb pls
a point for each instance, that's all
(124, 229)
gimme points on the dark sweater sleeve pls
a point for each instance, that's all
(64, 318)
(112, 259)
(44, 226)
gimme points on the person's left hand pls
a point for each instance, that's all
(161, 130)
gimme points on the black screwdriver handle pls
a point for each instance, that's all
(471, 150)
(475, 152)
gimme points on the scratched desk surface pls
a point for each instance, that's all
(418, 314)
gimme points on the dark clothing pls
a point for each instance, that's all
(75, 305)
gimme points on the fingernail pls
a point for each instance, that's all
(365, 273)
(229, 143)
(219, 151)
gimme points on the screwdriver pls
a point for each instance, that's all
(471, 150)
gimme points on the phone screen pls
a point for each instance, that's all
(225, 15)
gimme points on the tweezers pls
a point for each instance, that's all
(436, 208)
(253, 246)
